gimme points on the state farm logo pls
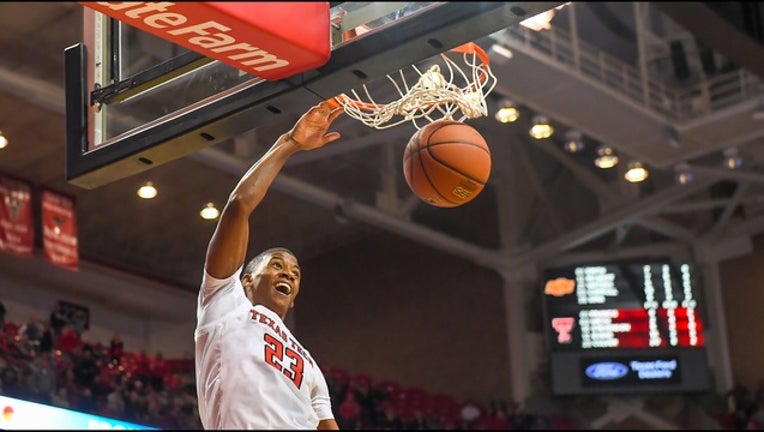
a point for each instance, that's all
(207, 37)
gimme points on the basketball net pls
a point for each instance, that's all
(447, 91)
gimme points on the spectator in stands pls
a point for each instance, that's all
(449, 411)
(116, 349)
(41, 378)
(79, 320)
(412, 417)
(494, 419)
(25, 348)
(241, 310)
(103, 382)
(171, 382)
(46, 339)
(30, 334)
(337, 380)
(470, 413)
(60, 398)
(189, 411)
(349, 413)
(157, 371)
(390, 419)
(521, 418)
(361, 386)
(142, 371)
(174, 406)
(136, 404)
(115, 403)
(82, 399)
(26, 379)
(742, 402)
(2, 314)
(69, 340)
(58, 319)
(756, 418)
(85, 368)
(11, 380)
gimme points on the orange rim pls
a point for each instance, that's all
(468, 48)
(334, 103)
(473, 48)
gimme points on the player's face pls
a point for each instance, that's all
(277, 282)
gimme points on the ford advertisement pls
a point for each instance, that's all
(632, 371)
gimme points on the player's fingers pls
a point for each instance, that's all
(328, 105)
(332, 103)
(335, 113)
(331, 136)
(322, 109)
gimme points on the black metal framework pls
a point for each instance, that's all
(165, 71)
(373, 56)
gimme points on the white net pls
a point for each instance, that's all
(458, 95)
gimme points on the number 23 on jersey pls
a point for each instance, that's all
(284, 359)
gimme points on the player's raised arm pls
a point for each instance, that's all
(228, 247)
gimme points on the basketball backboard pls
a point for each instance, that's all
(135, 100)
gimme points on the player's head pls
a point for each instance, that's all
(272, 279)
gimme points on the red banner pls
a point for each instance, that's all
(16, 220)
(59, 230)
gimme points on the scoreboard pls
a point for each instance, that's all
(624, 327)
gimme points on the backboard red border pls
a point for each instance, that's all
(271, 40)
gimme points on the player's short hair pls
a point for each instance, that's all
(257, 260)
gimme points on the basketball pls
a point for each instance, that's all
(447, 163)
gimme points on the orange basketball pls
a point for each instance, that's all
(447, 163)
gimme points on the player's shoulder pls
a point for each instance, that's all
(212, 286)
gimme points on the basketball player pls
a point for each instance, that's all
(251, 373)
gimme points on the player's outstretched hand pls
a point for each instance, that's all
(311, 130)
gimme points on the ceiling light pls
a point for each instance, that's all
(683, 174)
(507, 113)
(636, 173)
(147, 191)
(3, 141)
(542, 21)
(541, 128)
(606, 158)
(209, 212)
(732, 159)
(574, 142)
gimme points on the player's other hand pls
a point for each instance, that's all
(311, 130)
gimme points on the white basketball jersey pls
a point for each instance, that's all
(251, 373)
